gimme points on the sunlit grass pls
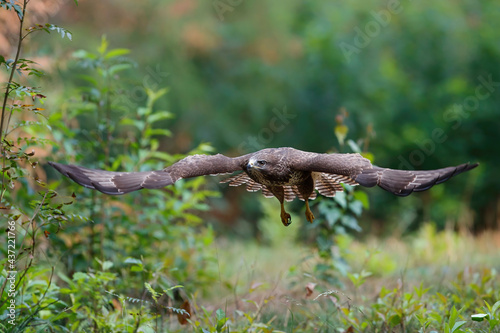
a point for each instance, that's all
(269, 281)
(422, 255)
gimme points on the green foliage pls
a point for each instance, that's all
(407, 73)
(147, 262)
(48, 28)
(421, 309)
(29, 208)
(84, 293)
(338, 216)
(252, 319)
(148, 223)
(489, 313)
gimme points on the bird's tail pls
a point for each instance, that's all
(404, 182)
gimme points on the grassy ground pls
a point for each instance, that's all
(393, 285)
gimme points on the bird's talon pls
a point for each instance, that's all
(286, 219)
(309, 216)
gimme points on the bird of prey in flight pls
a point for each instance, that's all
(284, 173)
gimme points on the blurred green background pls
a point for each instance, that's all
(141, 84)
(420, 81)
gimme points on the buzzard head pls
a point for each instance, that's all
(260, 164)
(268, 168)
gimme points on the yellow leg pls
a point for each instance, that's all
(309, 214)
(286, 219)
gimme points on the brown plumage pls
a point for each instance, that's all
(284, 173)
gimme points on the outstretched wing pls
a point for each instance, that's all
(123, 182)
(355, 169)
(404, 182)
(348, 165)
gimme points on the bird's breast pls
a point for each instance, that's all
(293, 177)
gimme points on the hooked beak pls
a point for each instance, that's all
(251, 165)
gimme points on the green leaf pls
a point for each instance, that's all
(442, 298)
(137, 268)
(118, 68)
(221, 319)
(80, 276)
(332, 216)
(220, 314)
(154, 95)
(395, 320)
(479, 316)
(116, 53)
(354, 146)
(351, 222)
(340, 198)
(19, 11)
(453, 315)
(131, 260)
(104, 45)
(356, 207)
(159, 116)
(106, 265)
(457, 325)
(363, 198)
(341, 133)
(62, 31)
(82, 54)
(368, 156)
(495, 307)
(157, 131)
(142, 111)
(153, 293)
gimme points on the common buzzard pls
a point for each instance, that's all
(285, 173)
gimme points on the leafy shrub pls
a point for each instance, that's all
(73, 272)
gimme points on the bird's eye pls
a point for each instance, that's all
(261, 162)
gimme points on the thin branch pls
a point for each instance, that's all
(13, 69)
(4, 105)
(3, 134)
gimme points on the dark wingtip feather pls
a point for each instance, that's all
(76, 174)
(114, 183)
(62, 168)
(403, 183)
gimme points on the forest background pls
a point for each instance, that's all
(135, 86)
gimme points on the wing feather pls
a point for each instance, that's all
(330, 171)
(349, 165)
(123, 182)
(289, 192)
(237, 180)
(404, 182)
(328, 184)
(354, 169)
(251, 185)
(266, 192)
